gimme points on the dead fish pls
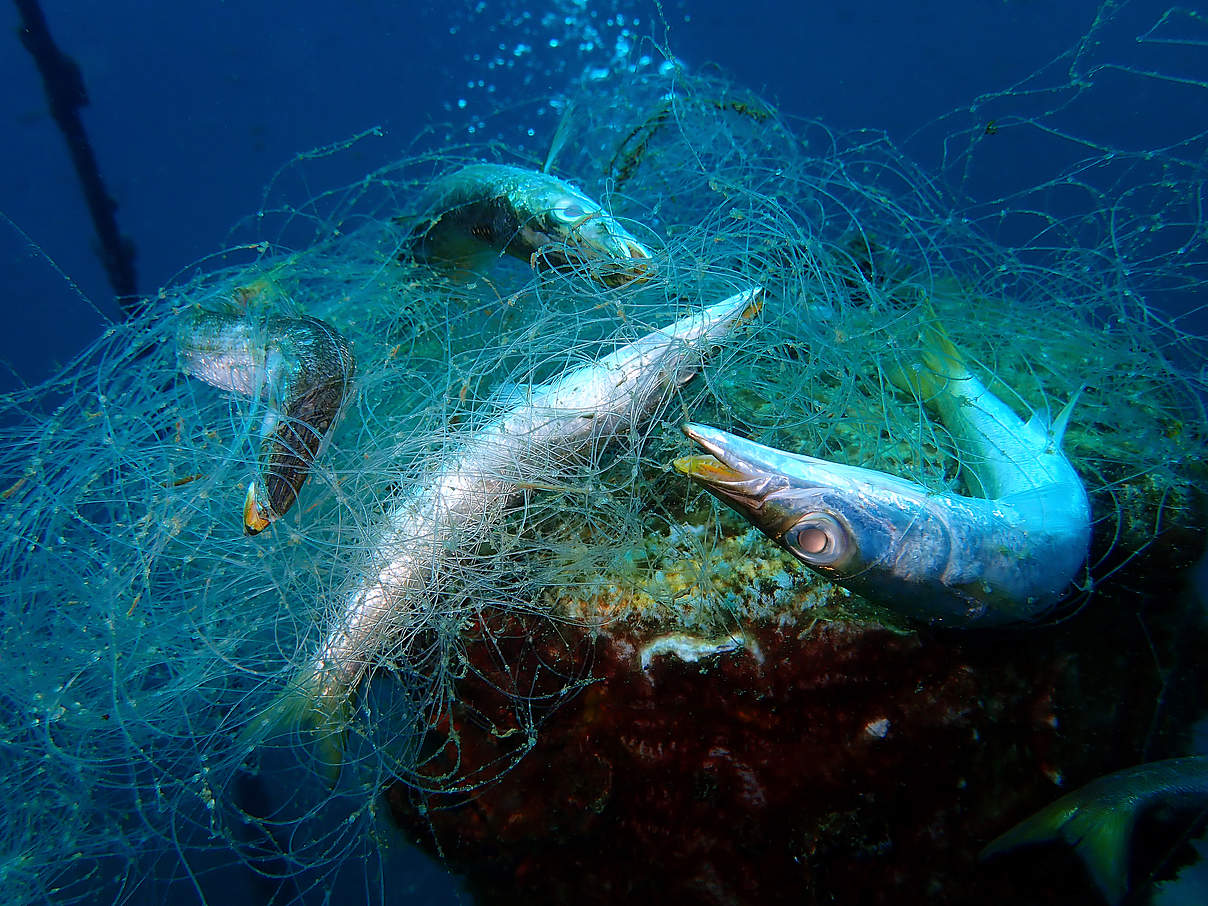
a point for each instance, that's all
(464, 497)
(1006, 555)
(301, 369)
(480, 211)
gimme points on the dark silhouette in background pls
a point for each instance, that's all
(66, 94)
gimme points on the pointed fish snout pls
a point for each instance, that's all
(721, 317)
(706, 469)
(728, 471)
(736, 454)
(255, 517)
(752, 459)
(625, 260)
(712, 440)
(635, 249)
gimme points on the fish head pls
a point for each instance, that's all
(258, 513)
(582, 234)
(835, 519)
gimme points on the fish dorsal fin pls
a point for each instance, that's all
(561, 134)
(1049, 433)
(1062, 421)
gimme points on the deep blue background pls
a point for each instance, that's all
(196, 104)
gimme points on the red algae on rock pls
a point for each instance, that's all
(846, 763)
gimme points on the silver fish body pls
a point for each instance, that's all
(301, 369)
(486, 209)
(941, 557)
(463, 498)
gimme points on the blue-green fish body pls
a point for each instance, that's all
(301, 371)
(1006, 556)
(482, 210)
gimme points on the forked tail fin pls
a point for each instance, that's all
(317, 705)
(1098, 831)
(1097, 820)
(940, 364)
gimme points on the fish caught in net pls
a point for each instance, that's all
(342, 416)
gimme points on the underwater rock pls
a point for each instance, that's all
(798, 760)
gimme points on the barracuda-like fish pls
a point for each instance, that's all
(461, 501)
(1008, 555)
(1097, 820)
(300, 368)
(477, 212)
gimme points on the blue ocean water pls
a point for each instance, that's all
(195, 107)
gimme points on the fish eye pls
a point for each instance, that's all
(817, 538)
(570, 211)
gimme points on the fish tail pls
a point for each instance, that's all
(939, 367)
(1098, 830)
(318, 707)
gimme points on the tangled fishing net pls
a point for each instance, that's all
(144, 632)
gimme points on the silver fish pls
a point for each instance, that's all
(1008, 555)
(1097, 819)
(300, 368)
(465, 496)
(481, 210)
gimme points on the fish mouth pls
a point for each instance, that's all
(740, 490)
(634, 251)
(725, 473)
(617, 260)
(255, 517)
(707, 470)
(634, 265)
(606, 257)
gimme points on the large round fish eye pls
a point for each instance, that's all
(570, 211)
(817, 538)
